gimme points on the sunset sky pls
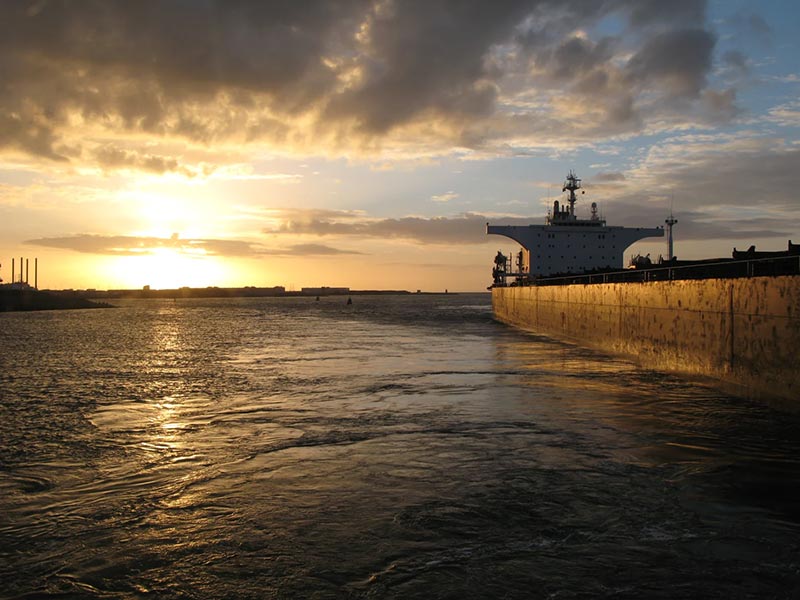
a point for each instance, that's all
(367, 143)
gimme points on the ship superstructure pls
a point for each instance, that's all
(568, 244)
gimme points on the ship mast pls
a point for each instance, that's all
(573, 183)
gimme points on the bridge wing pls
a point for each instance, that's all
(520, 234)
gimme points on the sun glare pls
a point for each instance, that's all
(167, 268)
(161, 216)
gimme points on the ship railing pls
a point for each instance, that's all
(725, 269)
(511, 279)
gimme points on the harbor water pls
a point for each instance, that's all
(398, 447)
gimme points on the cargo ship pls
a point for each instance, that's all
(734, 320)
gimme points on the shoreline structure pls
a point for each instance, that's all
(18, 298)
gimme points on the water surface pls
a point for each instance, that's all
(400, 447)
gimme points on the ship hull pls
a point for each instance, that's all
(744, 333)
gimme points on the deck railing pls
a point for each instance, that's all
(754, 267)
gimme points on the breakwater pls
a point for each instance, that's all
(743, 332)
(28, 299)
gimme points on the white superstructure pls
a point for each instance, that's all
(567, 244)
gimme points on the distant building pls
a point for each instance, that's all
(324, 291)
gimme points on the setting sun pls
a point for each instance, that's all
(163, 268)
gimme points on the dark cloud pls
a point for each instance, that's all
(606, 177)
(752, 26)
(151, 66)
(721, 105)
(30, 135)
(123, 245)
(694, 224)
(114, 157)
(317, 250)
(577, 55)
(715, 194)
(469, 228)
(729, 179)
(658, 13)
(427, 56)
(655, 71)
(736, 60)
(299, 74)
(678, 61)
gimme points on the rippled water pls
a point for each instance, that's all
(401, 447)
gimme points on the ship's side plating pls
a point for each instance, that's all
(744, 332)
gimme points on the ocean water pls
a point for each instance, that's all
(400, 447)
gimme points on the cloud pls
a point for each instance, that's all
(720, 105)
(751, 25)
(717, 194)
(787, 115)
(113, 158)
(709, 180)
(124, 245)
(606, 177)
(85, 82)
(736, 60)
(446, 197)
(655, 13)
(314, 250)
(468, 228)
(424, 58)
(677, 61)
(697, 223)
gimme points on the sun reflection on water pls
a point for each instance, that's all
(167, 412)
